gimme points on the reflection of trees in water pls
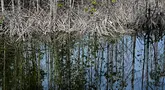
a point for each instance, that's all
(77, 63)
(19, 71)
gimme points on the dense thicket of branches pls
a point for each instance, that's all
(106, 17)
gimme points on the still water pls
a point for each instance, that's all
(89, 63)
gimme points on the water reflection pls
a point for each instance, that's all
(19, 67)
(82, 64)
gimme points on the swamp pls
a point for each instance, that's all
(82, 45)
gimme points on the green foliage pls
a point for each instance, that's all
(60, 5)
(1, 20)
(113, 1)
(94, 2)
(90, 10)
(86, 9)
(93, 10)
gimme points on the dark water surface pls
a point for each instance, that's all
(92, 63)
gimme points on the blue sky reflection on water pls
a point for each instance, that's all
(128, 64)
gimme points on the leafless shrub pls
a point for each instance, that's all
(108, 20)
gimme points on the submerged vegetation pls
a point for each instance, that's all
(82, 44)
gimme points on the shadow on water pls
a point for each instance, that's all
(89, 63)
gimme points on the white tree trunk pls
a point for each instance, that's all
(12, 1)
(19, 5)
(2, 6)
(37, 6)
